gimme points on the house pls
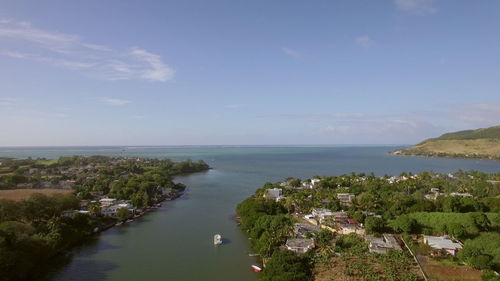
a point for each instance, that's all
(109, 211)
(68, 213)
(66, 184)
(315, 181)
(299, 245)
(458, 194)
(443, 243)
(351, 226)
(321, 212)
(97, 194)
(274, 193)
(433, 194)
(382, 244)
(302, 229)
(24, 186)
(105, 202)
(46, 184)
(346, 198)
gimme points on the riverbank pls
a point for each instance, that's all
(107, 191)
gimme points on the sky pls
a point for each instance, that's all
(290, 72)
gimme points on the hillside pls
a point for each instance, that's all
(480, 143)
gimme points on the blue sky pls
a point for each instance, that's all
(246, 72)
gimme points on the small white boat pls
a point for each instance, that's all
(130, 220)
(217, 239)
(118, 223)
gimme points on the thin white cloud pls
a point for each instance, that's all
(7, 101)
(417, 7)
(405, 127)
(157, 70)
(234, 106)
(364, 41)
(24, 41)
(114, 101)
(291, 52)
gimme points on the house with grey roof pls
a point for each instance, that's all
(346, 198)
(303, 229)
(443, 243)
(382, 244)
(299, 245)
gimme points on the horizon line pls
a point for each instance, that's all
(200, 145)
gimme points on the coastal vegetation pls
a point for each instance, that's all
(480, 143)
(38, 223)
(352, 210)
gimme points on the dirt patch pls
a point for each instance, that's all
(335, 270)
(23, 194)
(449, 272)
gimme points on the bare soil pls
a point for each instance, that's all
(23, 194)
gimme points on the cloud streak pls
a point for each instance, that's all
(291, 52)
(364, 41)
(406, 127)
(24, 41)
(114, 101)
(417, 7)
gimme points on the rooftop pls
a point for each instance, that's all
(441, 242)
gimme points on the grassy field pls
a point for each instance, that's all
(22, 194)
(47, 162)
(438, 220)
(372, 269)
(480, 148)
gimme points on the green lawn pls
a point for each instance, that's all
(47, 162)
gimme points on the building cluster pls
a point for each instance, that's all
(434, 193)
(341, 224)
(110, 206)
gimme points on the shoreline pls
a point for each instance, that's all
(449, 156)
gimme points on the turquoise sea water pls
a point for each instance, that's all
(175, 243)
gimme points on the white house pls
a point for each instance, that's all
(315, 181)
(458, 194)
(443, 243)
(321, 213)
(346, 198)
(274, 193)
(107, 201)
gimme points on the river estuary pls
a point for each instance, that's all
(175, 243)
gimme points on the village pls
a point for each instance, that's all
(317, 207)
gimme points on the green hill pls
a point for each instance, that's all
(480, 143)
(487, 133)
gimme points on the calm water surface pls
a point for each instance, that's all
(175, 243)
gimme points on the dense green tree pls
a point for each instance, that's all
(122, 214)
(480, 220)
(405, 224)
(287, 266)
(374, 225)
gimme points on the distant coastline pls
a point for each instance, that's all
(473, 144)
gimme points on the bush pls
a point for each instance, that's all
(374, 225)
(405, 224)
